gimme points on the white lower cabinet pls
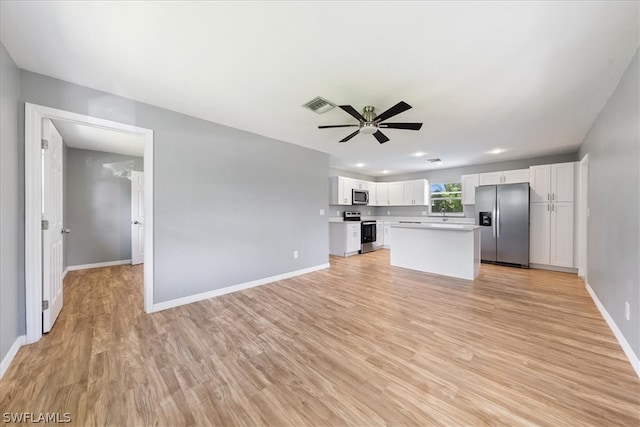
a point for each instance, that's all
(344, 238)
(379, 234)
(387, 235)
(551, 234)
(562, 234)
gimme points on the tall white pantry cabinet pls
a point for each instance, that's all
(551, 214)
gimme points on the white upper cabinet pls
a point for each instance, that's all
(552, 183)
(469, 184)
(515, 176)
(504, 177)
(382, 194)
(396, 193)
(360, 185)
(373, 193)
(491, 178)
(340, 190)
(562, 182)
(416, 193)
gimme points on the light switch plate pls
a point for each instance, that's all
(321, 212)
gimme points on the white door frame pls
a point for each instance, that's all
(583, 208)
(33, 206)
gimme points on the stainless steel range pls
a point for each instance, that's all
(367, 231)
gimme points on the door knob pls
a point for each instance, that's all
(136, 222)
(65, 231)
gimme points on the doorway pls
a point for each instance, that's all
(34, 116)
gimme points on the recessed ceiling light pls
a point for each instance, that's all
(418, 154)
(385, 171)
(496, 151)
(359, 165)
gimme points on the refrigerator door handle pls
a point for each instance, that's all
(498, 218)
(493, 223)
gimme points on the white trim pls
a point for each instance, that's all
(98, 265)
(8, 358)
(33, 171)
(554, 268)
(234, 288)
(628, 351)
(64, 274)
(583, 206)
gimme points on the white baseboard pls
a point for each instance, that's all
(98, 265)
(628, 351)
(8, 358)
(554, 268)
(234, 288)
(64, 273)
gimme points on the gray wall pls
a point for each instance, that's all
(230, 206)
(12, 321)
(349, 174)
(97, 208)
(613, 228)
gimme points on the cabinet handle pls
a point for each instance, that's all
(547, 207)
(552, 208)
(548, 196)
(553, 196)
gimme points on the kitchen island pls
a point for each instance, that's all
(446, 249)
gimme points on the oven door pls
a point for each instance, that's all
(368, 232)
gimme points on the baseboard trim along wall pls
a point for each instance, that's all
(64, 273)
(628, 351)
(234, 288)
(8, 358)
(554, 268)
(98, 265)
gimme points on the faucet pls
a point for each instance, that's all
(444, 215)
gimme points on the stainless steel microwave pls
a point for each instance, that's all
(360, 197)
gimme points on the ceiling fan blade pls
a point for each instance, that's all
(381, 137)
(352, 111)
(396, 109)
(409, 126)
(335, 126)
(350, 136)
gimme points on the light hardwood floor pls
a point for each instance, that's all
(361, 343)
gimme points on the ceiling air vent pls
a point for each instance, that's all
(319, 105)
(436, 160)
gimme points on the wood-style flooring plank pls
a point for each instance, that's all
(361, 343)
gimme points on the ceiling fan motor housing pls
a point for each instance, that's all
(368, 127)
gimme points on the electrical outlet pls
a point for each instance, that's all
(295, 254)
(424, 213)
(388, 212)
(626, 310)
(369, 213)
(321, 212)
(337, 213)
(588, 212)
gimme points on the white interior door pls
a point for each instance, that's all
(52, 242)
(137, 217)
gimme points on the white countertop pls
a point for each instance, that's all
(421, 219)
(439, 226)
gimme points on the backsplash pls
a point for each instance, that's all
(394, 211)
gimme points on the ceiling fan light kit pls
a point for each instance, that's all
(370, 124)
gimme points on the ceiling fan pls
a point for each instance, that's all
(370, 123)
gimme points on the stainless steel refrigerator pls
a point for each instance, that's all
(502, 212)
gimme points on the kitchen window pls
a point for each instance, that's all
(447, 196)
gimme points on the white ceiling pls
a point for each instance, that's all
(527, 77)
(77, 135)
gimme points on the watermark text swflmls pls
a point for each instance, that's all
(36, 417)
